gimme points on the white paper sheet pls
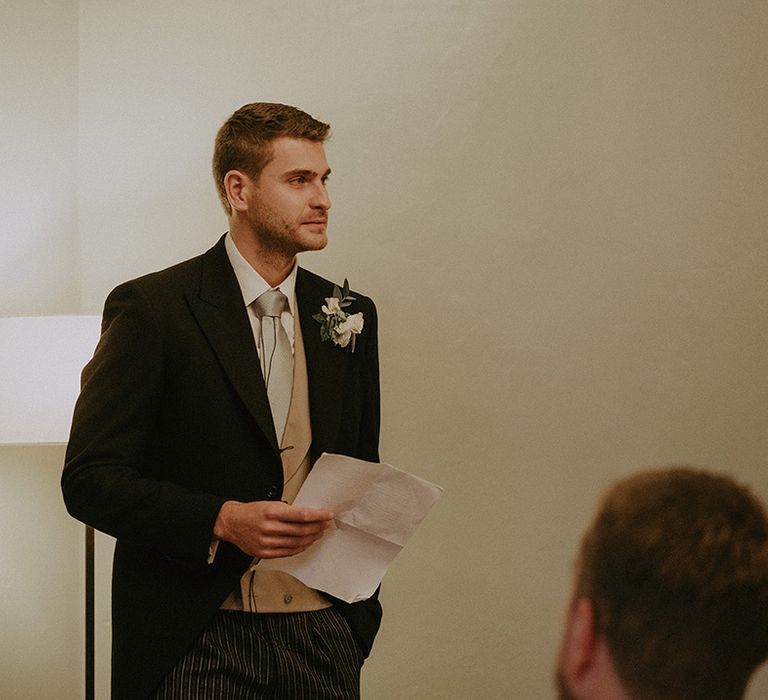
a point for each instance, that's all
(377, 508)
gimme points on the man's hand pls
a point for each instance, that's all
(270, 529)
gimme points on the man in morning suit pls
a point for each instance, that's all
(209, 396)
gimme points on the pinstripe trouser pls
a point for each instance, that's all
(284, 656)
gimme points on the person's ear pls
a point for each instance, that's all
(237, 185)
(579, 643)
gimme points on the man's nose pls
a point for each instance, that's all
(320, 198)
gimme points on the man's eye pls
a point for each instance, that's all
(299, 180)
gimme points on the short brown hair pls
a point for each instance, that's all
(244, 142)
(676, 565)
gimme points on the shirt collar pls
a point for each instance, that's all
(252, 284)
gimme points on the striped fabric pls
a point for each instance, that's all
(284, 656)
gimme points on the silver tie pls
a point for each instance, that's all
(275, 355)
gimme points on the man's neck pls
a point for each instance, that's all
(273, 266)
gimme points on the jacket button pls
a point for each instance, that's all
(272, 491)
(287, 598)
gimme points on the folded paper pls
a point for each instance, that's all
(377, 508)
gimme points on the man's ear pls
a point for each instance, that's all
(236, 185)
(580, 639)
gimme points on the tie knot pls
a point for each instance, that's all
(271, 303)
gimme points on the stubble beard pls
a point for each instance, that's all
(281, 241)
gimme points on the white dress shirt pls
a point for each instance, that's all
(253, 285)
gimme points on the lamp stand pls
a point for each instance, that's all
(89, 615)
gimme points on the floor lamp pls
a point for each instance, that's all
(40, 362)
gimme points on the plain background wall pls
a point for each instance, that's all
(560, 209)
(41, 570)
(39, 260)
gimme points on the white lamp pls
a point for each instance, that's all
(40, 362)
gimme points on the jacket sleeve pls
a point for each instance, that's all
(106, 482)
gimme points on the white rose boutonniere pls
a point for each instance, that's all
(335, 323)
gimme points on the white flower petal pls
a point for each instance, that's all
(332, 305)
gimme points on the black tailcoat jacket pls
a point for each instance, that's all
(172, 421)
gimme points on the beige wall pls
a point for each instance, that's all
(39, 260)
(41, 580)
(560, 209)
(41, 570)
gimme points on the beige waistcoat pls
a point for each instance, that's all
(275, 591)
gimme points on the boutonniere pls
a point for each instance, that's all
(335, 323)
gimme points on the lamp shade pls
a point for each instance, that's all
(40, 362)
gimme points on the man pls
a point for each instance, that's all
(671, 592)
(210, 394)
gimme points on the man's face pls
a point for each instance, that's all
(564, 692)
(561, 679)
(288, 205)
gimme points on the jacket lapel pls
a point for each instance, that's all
(325, 364)
(218, 307)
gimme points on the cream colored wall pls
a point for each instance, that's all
(560, 209)
(41, 558)
(39, 256)
(41, 580)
